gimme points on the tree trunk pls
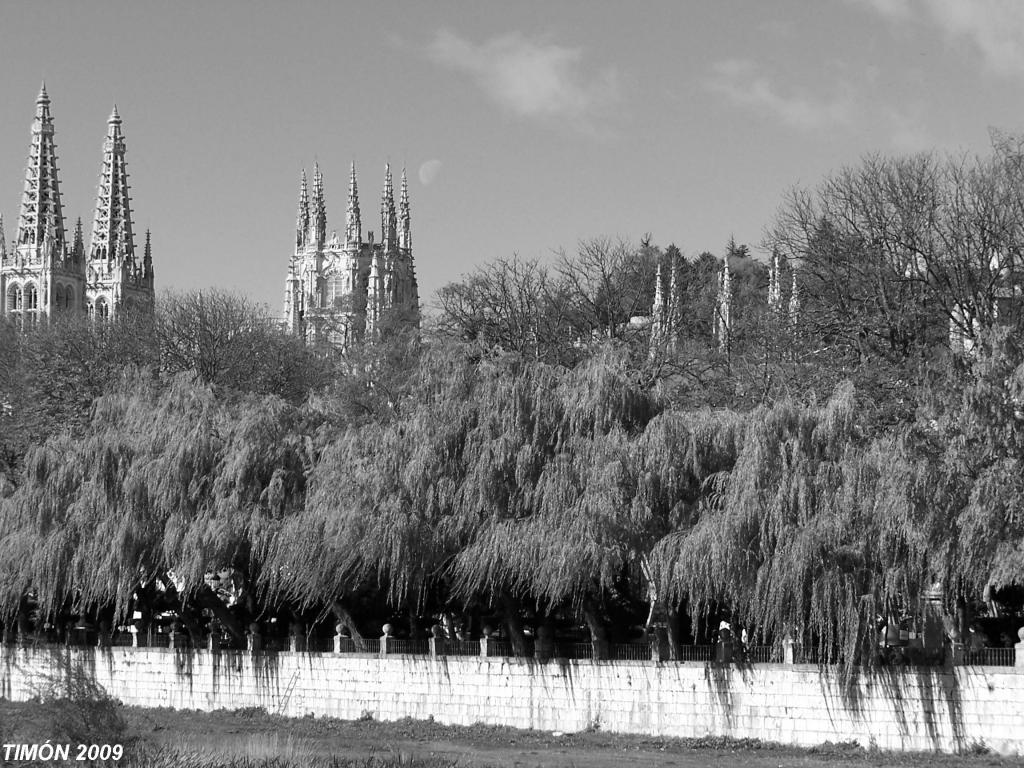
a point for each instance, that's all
(596, 625)
(510, 614)
(345, 619)
(675, 632)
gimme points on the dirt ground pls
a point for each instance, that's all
(257, 734)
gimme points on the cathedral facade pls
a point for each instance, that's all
(343, 290)
(41, 276)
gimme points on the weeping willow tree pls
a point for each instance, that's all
(380, 512)
(813, 531)
(504, 480)
(166, 480)
(975, 434)
(551, 482)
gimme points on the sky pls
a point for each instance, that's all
(526, 127)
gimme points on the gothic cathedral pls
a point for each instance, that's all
(342, 291)
(40, 276)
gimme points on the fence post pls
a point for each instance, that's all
(338, 636)
(134, 631)
(384, 639)
(788, 650)
(659, 643)
(1018, 650)
(544, 645)
(103, 635)
(485, 642)
(253, 639)
(436, 641)
(723, 652)
(177, 636)
(296, 637)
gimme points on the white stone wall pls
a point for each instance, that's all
(904, 709)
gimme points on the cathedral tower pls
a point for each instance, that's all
(40, 276)
(116, 281)
(341, 290)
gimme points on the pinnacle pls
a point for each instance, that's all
(43, 97)
(114, 116)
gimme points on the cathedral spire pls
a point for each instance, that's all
(658, 310)
(674, 323)
(41, 209)
(112, 238)
(353, 224)
(147, 258)
(775, 284)
(317, 212)
(405, 220)
(3, 240)
(78, 248)
(388, 217)
(302, 217)
(723, 308)
(794, 303)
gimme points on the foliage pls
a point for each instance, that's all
(530, 457)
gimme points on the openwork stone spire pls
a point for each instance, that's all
(794, 303)
(112, 237)
(658, 310)
(775, 284)
(723, 308)
(147, 258)
(388, 215)
(675, 300)
(317, 211)
(353, 221)
(78, 248)
(302, 217)
(405, 221)
(41, 211)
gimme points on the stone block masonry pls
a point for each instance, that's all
(894, 709)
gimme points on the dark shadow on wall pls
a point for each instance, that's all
(719, 678)
(937, 699)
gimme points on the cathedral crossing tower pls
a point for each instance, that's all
(341, 291)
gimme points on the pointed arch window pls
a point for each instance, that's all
(15, 298)
(101, 309)
(31, 297)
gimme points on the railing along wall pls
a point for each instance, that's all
(438, 645)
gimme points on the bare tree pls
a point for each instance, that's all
(225, 339)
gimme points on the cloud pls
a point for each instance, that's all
(740, 82)
(532, 79)
(994, 28)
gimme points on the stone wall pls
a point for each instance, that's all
(898, 709)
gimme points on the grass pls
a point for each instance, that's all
(252, 738)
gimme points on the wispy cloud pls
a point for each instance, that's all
(993, 28)
(530, 78)
(850, 107)
(742, 83)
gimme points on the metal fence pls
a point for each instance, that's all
(462, 648)
(993, 657)
(696, 653)
(503, 648)
(630, 651)
(762, 654)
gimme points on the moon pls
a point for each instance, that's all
(429, 171)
